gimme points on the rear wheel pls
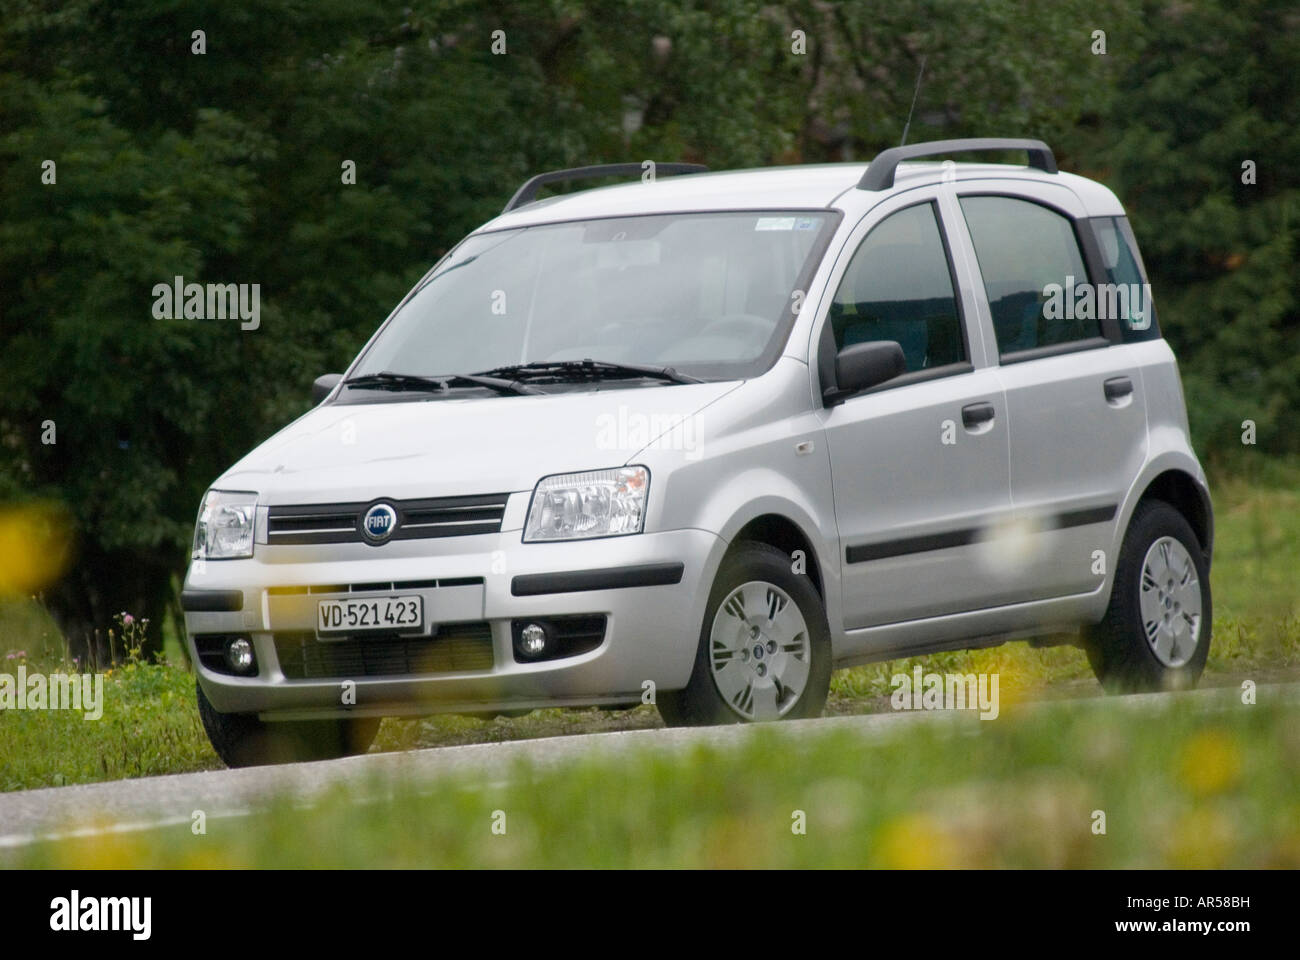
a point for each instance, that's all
(764, 651)
(1156, 632)
(242, 740)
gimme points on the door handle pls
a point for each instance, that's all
(1117, 388)
(975, 414)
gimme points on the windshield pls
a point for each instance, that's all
(709, 294)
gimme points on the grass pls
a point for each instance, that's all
(151, 726)
(1179, 785)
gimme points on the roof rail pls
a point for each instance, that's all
(880, 172)
(528, 192)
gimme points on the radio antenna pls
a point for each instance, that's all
(915, 93)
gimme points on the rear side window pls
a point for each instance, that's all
(1128, 297)
(898, 287)
(1030, 259)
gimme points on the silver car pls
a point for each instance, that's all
(698, 440)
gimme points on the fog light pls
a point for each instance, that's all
(239, 654)
(532, 640)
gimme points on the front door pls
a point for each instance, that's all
(919, 464)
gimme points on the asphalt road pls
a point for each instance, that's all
(152, 802)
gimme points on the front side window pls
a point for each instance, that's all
(708, 294)
(898, 287)
(1032, 267)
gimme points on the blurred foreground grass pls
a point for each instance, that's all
(150, 723)
(1180, 784)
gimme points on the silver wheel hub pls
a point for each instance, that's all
(1170, 602)
(760, 651)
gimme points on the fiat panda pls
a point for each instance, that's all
(700, 439)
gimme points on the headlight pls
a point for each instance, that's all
(601, 503)
(225, 527)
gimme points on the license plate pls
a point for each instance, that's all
(370, 613)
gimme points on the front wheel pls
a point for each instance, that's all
(764, 651)
(1156, 632)
(242, 740)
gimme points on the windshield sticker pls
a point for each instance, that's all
(775, 223)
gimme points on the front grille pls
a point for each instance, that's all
(390, 586)
(416, 519)
(457, 647)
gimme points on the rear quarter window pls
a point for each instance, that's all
(1130, 296)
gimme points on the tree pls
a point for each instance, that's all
(1213, 86)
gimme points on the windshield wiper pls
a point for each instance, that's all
(387, 380)
(588, 369)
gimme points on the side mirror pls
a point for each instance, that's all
(323, 385)
(860, 366)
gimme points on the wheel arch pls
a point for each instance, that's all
(1180, 490)
(778, 530)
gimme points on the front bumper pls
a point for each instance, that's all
(652, 624)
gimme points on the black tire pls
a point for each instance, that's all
(700, 703)
(1117, 647)
(242, 740)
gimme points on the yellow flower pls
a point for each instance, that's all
(35, 542)
(914, 841)
(1201, 839)
(101, 851)
(1209, 763)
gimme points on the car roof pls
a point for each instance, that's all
(803, 187)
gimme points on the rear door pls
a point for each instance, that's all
(1074, 399)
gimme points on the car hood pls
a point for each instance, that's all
(453, 447)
